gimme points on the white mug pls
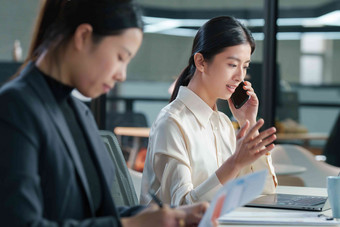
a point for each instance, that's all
(333, 189)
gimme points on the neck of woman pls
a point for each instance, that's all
(198, 87)
(52, 65)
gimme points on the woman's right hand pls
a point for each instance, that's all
(155, 216)
(250, 146)
(188, 215)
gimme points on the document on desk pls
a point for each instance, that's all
(234, 194)
(277, 218)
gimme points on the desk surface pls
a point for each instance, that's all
(286, 190)
(302, 190)
(283, 169)
(132, 131)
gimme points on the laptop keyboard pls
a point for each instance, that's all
(304, 201)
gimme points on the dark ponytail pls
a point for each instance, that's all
(48, 12)
(47, 15)
(184, 78)
(211, 39)
(58, 20)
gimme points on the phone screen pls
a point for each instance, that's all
(240, 96)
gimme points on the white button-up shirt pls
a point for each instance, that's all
(188, 142)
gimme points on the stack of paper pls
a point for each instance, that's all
(281, 218)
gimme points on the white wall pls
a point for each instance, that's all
(336, 62)
(16, 22)
(161, 57)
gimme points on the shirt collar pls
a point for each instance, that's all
(196, 105)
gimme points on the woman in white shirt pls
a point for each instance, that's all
(193, 149)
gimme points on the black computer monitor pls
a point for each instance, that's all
(254, 75)
(287, 103)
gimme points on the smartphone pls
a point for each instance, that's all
(240, 96)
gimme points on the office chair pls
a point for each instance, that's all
(137, 181)
(316, 171)
(127, 119)
(122, 190)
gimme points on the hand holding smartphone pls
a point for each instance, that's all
(240, 96)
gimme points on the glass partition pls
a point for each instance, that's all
(308, 47)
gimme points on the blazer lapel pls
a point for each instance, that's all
(104, 163)
(41, 88)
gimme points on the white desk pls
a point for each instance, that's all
(287, 190)
(283, 169)
(304, 137)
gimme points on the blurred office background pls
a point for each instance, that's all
(308, 57)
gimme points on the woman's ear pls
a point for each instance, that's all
(199, 62)
(82, 36)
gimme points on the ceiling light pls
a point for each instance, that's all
(332, 18)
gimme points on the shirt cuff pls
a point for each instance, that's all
(206, 190)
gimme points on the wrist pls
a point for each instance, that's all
(232, 162)
(251, 123)
(228, 170)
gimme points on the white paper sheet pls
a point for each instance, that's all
(234, 194)
(281, 218)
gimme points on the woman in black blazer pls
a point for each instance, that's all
(54, 169)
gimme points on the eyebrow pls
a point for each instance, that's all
(237, 59)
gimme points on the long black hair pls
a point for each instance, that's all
(211, 39)
(58, 20)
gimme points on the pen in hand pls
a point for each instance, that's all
(155, 198)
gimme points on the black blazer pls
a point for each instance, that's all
(42, 180)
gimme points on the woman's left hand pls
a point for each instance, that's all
(249, 110)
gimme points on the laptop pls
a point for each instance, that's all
(292, 202)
